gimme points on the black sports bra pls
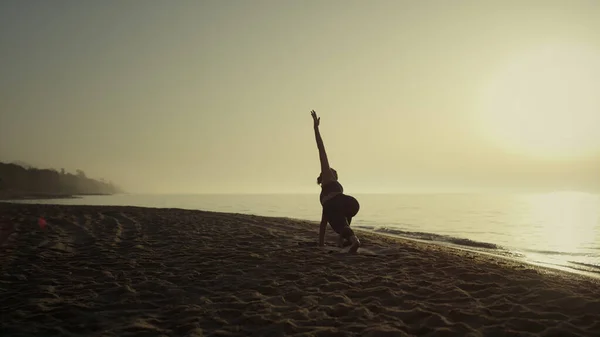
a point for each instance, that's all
(330, 187)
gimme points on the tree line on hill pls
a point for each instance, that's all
(17, 180)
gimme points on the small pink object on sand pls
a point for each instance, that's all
(42, 222)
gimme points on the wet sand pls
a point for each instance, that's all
(129, 271)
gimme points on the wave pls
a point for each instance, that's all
(491, 248)
(459, 241)
(553, 252)
(434, 237)
(588, 266)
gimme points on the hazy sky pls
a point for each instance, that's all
(214, 96)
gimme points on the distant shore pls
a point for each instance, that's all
(20, 195)
(131, 270)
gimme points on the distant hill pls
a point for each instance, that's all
(17, 181)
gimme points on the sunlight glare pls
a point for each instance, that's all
(569, 220)
(545, 103)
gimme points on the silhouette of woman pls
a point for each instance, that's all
(338, 208)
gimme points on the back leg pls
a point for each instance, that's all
(355, 244)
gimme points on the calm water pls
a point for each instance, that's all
(560, 229)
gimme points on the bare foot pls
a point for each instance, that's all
(354, 248)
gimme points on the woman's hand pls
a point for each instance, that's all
(316, 119)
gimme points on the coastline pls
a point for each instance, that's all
(126, 270)
(453, 242)
(16, 196)
(504, 254)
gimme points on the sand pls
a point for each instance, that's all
(127, 271)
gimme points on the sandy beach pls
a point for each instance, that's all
(128, 271)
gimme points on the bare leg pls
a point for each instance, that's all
(355, 244)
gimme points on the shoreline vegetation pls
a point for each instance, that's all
(136, 270)
(21, 182)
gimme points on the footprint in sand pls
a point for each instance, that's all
(75, 233)
(138, 232)
(126, 230)
(118, 232)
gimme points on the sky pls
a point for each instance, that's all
(215, 96)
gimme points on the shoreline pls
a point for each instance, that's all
(124, 270)
(17, 196)
(480, 248)
(511, 256)
(398, 239)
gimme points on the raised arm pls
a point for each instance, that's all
(326, 173)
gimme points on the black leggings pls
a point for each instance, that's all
(339, 212)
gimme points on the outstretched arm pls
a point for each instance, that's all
(326, 174)
(322, 228)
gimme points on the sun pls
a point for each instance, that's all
(545, 103)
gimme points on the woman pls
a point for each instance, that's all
(338, 208)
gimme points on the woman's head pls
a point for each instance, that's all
(320, 178)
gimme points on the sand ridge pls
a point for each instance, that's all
(129, 271)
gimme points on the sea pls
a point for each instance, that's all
(559, 229)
